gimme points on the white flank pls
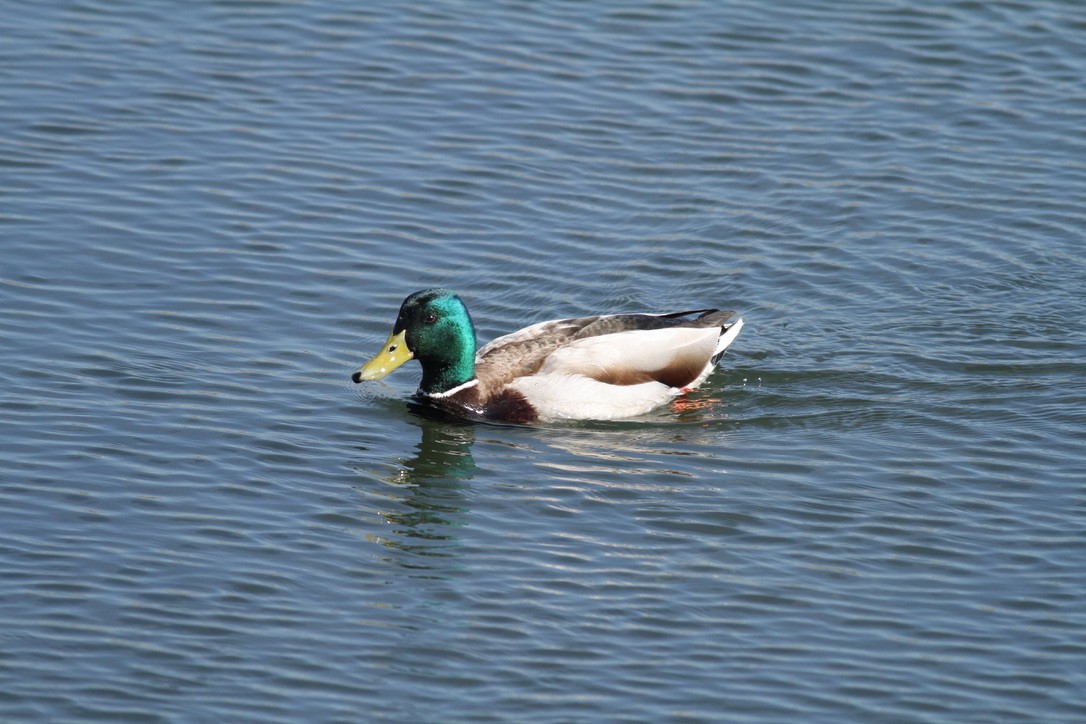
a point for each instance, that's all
(576, 397)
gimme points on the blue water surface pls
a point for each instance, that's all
(873, 511)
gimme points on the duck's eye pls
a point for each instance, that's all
(430, 318)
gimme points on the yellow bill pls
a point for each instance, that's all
(391, 356)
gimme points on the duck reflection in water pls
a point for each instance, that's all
(429, 487)
(443, 452)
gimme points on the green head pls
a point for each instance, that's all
(434, 327)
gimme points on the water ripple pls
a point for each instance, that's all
(872, 510)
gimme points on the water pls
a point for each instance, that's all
(874, 510)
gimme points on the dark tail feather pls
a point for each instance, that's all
(713, 317)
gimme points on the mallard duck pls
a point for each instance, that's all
(603, 367)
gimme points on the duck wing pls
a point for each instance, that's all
(621, 349)
(524, 351)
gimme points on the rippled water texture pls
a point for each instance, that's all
(873, 511)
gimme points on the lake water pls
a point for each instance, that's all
(875, 510)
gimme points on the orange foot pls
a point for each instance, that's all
(685, 404)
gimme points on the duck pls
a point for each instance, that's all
(602, 367)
